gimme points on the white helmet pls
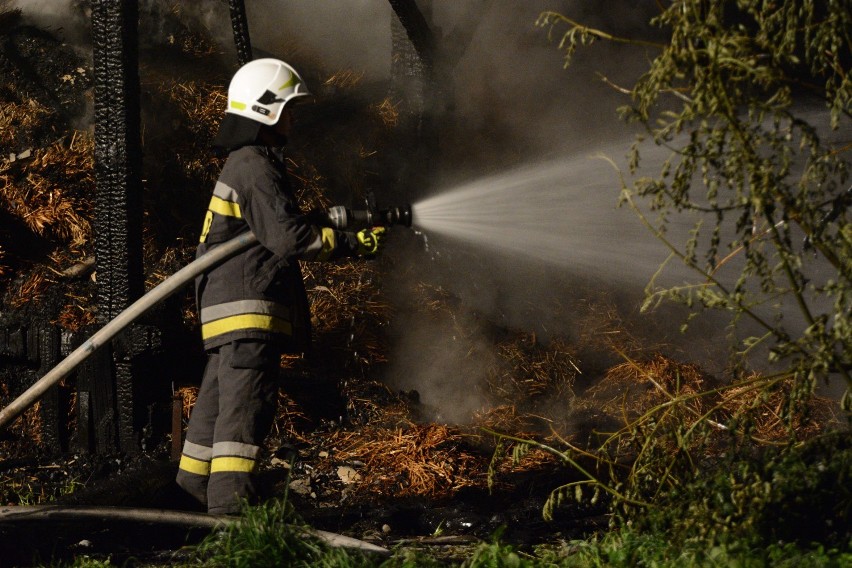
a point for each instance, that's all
(261, 88)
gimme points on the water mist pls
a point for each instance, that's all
(563, 213)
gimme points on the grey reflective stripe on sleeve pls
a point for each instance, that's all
(224, 201)
(244, 315)
(220, 311)
(203, 453)
(236, 449)
(225, 191)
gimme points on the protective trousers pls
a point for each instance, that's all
(232, 415)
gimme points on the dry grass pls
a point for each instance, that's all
(346, 79)
(662, 395)
(76, 315)
(423, 460)
(196, 43)
(765, 410)
(188, 396)
(198, 110)
(30, 289)
(388, 113)
(531, 370)
(200, 107)
(634, 387)
(52, 192)
(17, 120)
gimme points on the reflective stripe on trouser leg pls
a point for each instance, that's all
(248, 371)
(194, 470)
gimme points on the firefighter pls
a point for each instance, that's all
(253, 307)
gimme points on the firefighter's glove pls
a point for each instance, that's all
(370, 240)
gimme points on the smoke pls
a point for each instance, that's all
(67, 18)
(511, 107)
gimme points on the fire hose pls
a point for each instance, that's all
(338, 217)
(157, 294)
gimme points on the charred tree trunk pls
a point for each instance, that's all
(118, 219)
(239, 23)
(417, 29)
(413, 89)
(52, 412)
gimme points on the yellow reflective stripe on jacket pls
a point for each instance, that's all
(329, 243)
(245, 314)
(192, 465)
(226, 208)
(232, 464)
(246, 321)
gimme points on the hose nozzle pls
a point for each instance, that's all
(343, 218)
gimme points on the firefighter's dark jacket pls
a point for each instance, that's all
(259, 293)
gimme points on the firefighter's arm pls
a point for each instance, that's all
(283, 229)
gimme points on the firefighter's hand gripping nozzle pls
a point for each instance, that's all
(346, 219)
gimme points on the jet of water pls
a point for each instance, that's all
(563, 212)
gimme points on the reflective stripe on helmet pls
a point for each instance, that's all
(291, 82)
(261, 88)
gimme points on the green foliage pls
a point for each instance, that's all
(272, 535)
(86, 562)
(748, 98)
(629, 547)
(732, 96)
(497, 555)
(800, 495)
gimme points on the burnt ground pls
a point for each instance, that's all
(316, 485)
